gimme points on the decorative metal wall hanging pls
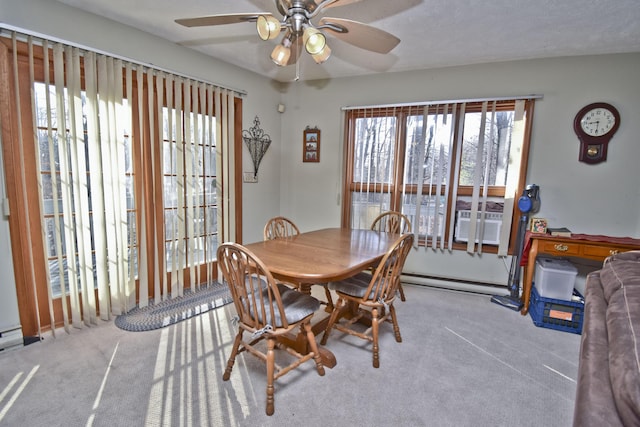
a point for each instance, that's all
(257, 142)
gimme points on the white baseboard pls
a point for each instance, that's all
(11, 338)
(455, 285)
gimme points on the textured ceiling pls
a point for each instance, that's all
(433, 33)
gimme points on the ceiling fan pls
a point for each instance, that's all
(297, 17)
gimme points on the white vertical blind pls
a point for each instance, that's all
(487, 170)
(515, 156)
(153, 139)
(21, 155)
(456, 174)
(477, 176)
(130, 288)
(159, 170)
(421, 160)
(225, 185)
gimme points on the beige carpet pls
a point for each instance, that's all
(463, 362)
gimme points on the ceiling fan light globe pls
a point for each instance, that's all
(314, 41)
(268, 27)
(280, 55)
(322, 56)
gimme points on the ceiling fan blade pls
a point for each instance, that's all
(361, 35)
(233, 18)
(334, 3)
(296, 50)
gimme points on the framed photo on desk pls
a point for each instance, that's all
(538, 225)
(311, 145)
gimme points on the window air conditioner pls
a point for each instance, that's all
(492, 226)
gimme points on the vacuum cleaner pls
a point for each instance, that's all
(528, 203)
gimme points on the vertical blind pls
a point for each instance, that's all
(422, 159)
(113, 141)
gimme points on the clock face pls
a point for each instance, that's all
(597, 121)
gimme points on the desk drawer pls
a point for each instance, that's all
(560, 248)
(602, 252)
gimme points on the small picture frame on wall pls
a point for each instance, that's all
(538, 225)
(311, 145)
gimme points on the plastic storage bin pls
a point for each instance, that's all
(566, 316)
(555, 278)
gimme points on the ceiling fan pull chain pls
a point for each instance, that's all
(297, 70)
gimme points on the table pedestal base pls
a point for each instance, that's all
(300, 344)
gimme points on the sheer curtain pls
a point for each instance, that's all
(112, 140)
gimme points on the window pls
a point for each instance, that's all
(431, 161)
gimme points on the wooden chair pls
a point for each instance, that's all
(266, 310)
(370, 295)
(280, 227)
(393, 222)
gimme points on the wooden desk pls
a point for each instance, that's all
(318, 257)
(579, 246)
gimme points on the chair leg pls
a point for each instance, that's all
(332, 320)
(314, 348)
(374, 331)
(402, 298)
(270, 375)
(232, 357)
(394, 320)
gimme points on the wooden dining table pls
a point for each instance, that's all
(318, 257)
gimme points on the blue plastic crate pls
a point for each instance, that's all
(557, 314)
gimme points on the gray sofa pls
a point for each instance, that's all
(608, 389)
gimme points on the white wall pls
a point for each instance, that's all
(596, 199)
(9, 317)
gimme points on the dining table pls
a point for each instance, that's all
(318, 257)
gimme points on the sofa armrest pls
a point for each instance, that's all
(595, 404)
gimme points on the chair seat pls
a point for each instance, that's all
(296, 305)
(355, 286)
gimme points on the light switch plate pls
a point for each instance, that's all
(250, 177)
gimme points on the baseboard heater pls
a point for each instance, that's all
(492, 227)
(11, 338)
(452, 284)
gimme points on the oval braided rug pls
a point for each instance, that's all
(172, 311)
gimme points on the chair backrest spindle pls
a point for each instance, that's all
(386, 277)
(392, 222)
(253, 288)
(279, 228)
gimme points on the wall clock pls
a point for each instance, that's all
(595, 124)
